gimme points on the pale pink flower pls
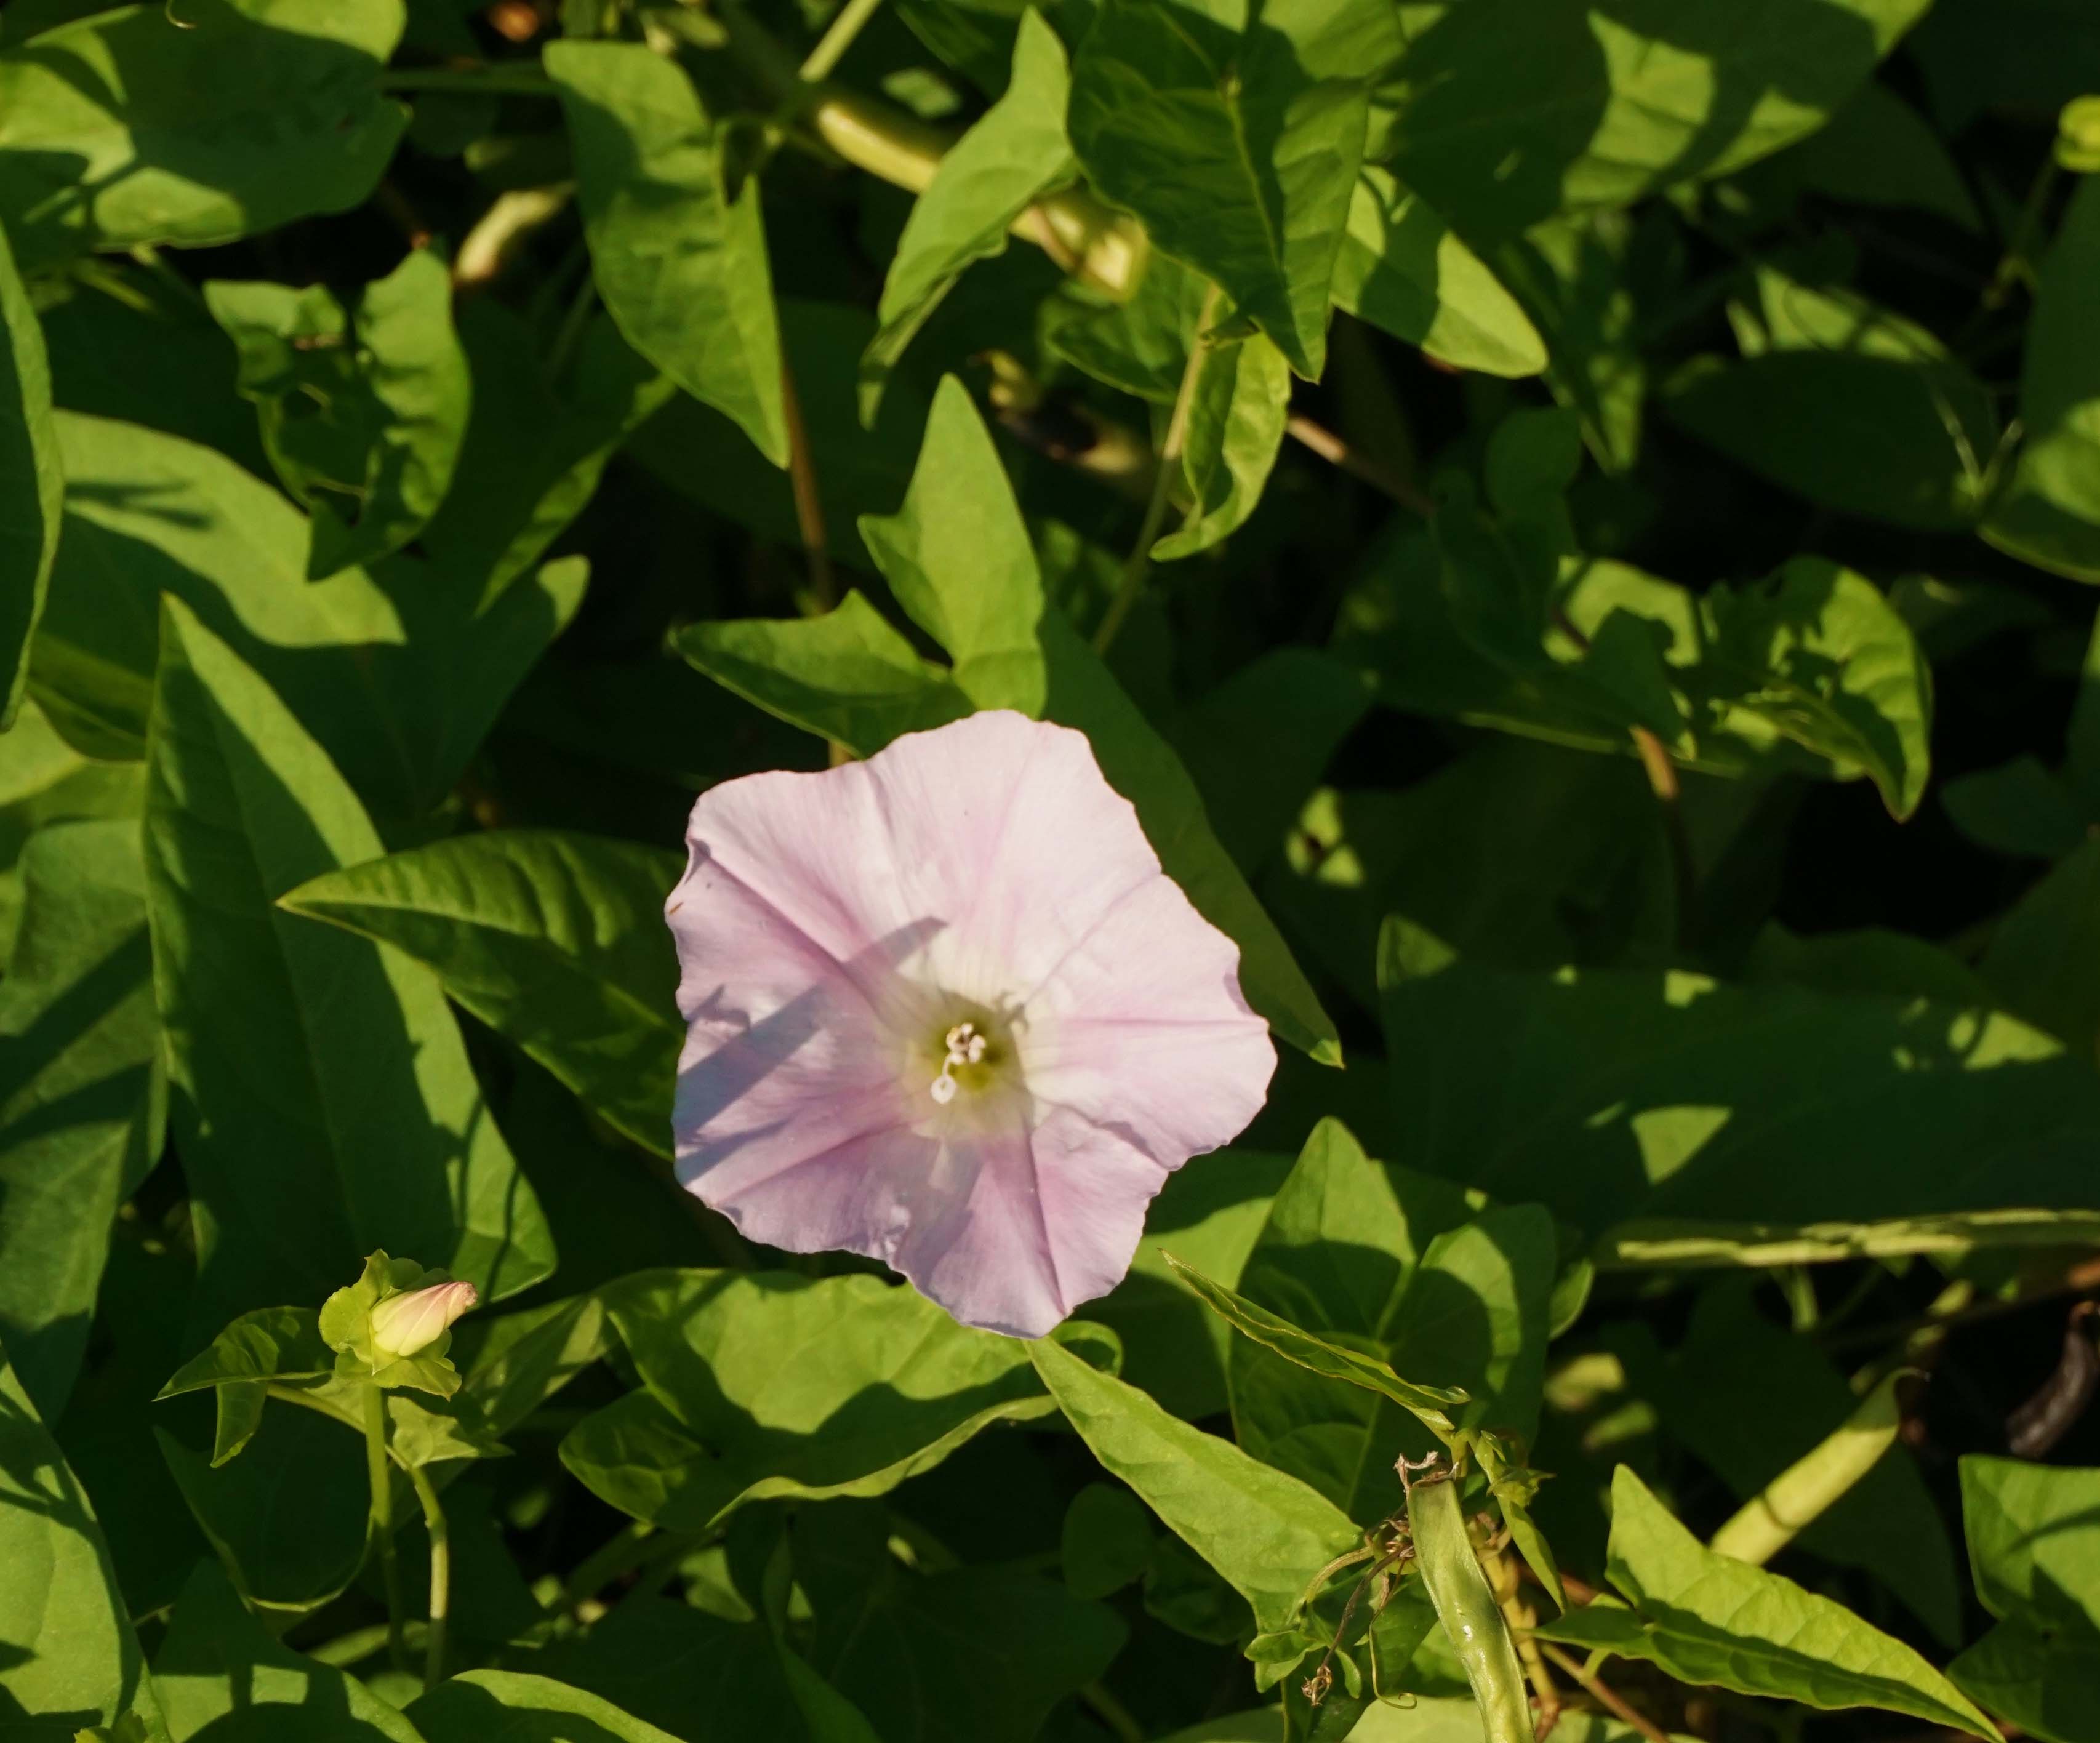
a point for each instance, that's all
(944, 1009)
(405, 1324)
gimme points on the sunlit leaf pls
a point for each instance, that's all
(678, 250)
(113, 126)
(1705, 1618)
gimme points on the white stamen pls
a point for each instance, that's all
(965, 1047)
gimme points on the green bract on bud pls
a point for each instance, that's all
(393, 1325)
(407, 1324)
(2078, 136)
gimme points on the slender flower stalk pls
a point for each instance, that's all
(382, 1519)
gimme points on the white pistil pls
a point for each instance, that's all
(965, 1047)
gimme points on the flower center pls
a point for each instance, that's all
(965, 1047)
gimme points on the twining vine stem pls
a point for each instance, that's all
(1605, 1695)
(837, 39)
(1131, 581)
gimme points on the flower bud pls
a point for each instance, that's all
(405, 1324)
(2078, 136)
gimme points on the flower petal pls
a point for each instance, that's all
(786, 1055)
(996, 835)
(1008, 1228)
(1142, 1029)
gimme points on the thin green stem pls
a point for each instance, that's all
(2016, 266)
(1113, 1713)
(1131, 581)
(574, 319)
(441, 1575)
(152, 259)
(837, 39)
(476, 81)
(382, 1518)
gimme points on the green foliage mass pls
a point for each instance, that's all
(1570, 522)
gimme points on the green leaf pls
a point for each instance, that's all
(35, 489)
(221, 1675)
(1853, 408)
(398, 673)
(1434, 1406)
(685, 1670)
(1475, 1315)
(1506, 112)
(517, 1362)
(534, 449)
(270, 1344)
(1879, 151)
(1106, 1542)
(1672, 1095)
(1519, 855)
(846, 675)
(959, 519)
(2018, 808)
(1142, 344)
(677, 249)
(1013, 155)
(1236, 419)
(889, 1638)
(1266, 1532)
(1705, 1618)
(513, 1706)
(129, 127)
(1401, 268)
(1811, 670)
(2037, 963)
(1209, 1213)
(83, 1097)
(1342, 1243)
(697, 451)
(757, 1375)
(2044, 1685)
(2033, 1532)
(284, 1558)
(1748, 1398)
(70, 1646)
(329, 1049)
(363, 403)
(555, 941)
(1236, 139)
(1256, 745)
(1817, 653)
(1426, 1720)
(1501, 573)
(2050, 514)
(1586, 281)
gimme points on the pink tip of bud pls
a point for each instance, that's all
(406, 1324)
